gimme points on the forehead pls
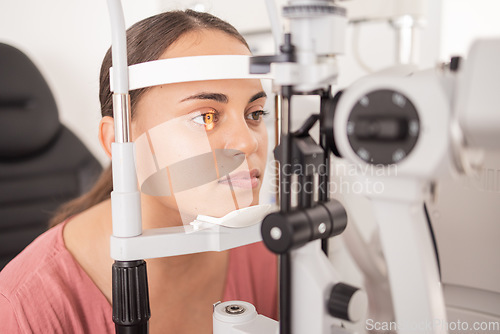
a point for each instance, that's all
(171, 97)
(197, 43)
(205, 42)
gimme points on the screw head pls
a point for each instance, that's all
(235, 309)
(276, 233)
(322, 228)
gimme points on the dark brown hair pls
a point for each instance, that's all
(147, 40)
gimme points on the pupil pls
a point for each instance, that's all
(209, 121)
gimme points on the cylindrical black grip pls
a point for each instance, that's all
(131, 310)
(282, 232)
(340, 297)
(338, 216)
(294, 231)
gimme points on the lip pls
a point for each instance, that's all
(242, 179)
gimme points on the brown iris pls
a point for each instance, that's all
(208, 119)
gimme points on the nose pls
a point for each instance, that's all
(240, 137)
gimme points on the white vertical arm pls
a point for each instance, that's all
(411, 260)
(312, 276)
(125, 197)
(118, 47)
(275, 24)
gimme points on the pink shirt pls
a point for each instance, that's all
(44, 289)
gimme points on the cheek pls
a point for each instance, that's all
(171, 145)
(173, 142)
(262, 139)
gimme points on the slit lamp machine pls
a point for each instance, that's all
(400, 117)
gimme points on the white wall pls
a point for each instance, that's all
(463, 21)
(67, 41)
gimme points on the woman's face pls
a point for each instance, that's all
(204, 141)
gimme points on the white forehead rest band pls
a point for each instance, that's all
(185, 69)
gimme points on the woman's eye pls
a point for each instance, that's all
(207, 119)
(256, 115)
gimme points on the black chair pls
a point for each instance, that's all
(42, 163)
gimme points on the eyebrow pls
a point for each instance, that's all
(218, 97)
(221, 98)
(257, 96)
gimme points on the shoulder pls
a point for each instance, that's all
(8, 317)
(45, 289)
(26, 266)
(23, 278)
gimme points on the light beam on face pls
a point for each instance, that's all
(174, 160)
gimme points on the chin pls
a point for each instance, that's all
(256, 198)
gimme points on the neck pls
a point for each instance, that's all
(154, 215)
(86, 237)
(169, 275)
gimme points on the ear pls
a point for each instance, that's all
(107, 133)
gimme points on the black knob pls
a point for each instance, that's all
(455, 63)
(347, 302)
